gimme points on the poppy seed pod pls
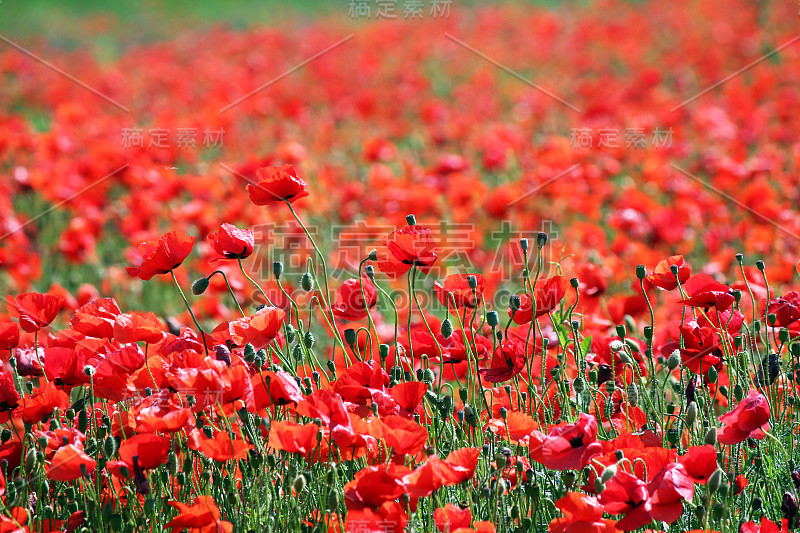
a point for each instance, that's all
(383, 351)
(492, 319)
(541, 239)
(447, 328)
(760, 265)
(472, 282)
(574, 282)
(350, 336)
(277, 269)
(514, 302)
(373, 255)
(411, 220)
(307, 282)
(641, 272)
(369, 270)
(621, 331)
(200, 286)
(523, 243)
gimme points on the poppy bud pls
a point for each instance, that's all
(492, 319)
(599, 486)
(523, 243)
(200, 286)
(783, 335)
(333, 501)
(711, 437)
(502, 486)
(109, 447)
(579, 385)
(610, 387)
(633, 395)
(641, 272)
(299, 484)
(674, 360)
(372, 256)
(691, 414)
(30, 461)
(277, 269)
(447, 328)
(568, 477)
(712, 374)
(718, 511)
(307, 282)
(789, 508)
(308, 340)
(796, 479)
(350, 336)
(541, 239)
(616, 346)
(428, 376)
(714, 481)
(291, 335)
(222, 353)
(608, 473)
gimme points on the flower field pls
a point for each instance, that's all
(401, 267)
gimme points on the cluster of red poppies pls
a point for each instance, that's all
(667, 430)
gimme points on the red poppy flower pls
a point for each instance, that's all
(705, 291)
(221, 447)
(259, 329)
(702, 348)
(765, 526)
(508, 361)
(9, 396)
(458, 286)
(739, 484)
(581, 513)
(349, 303)
(147, 449)
(35, 407)
(375, 485)
(450, 518)
(786, 309)
(67, 462)
(138, 327)
(34, 310)
(747, 420)
(160, 256)
(568, 447)
(9, 335)
(668, 489)
(292, 437)
(462, 463)
(389, 517)
(626, 494)
(700, 462)
(162, 412)
(548, 294)
(279, 388)
(277, 184)
(202, 517)
(96, 319)
(402, 435)
(407, 247)
(662, 276)
(231, 242)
